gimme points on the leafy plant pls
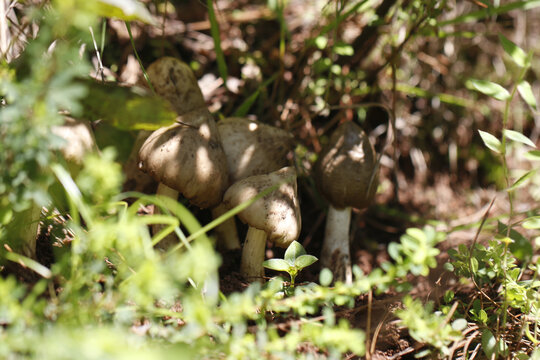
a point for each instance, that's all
(294, 260)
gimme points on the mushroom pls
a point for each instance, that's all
(274, 217)
(188, 158)
(173, 80)
(251, 148)
(346, 174)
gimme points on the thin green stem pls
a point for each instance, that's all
(128, 27)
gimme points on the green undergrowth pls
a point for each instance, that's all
(107, 293)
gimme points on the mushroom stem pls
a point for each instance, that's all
(335, 253)
(170, 240)
(227, 234)
(253, 254)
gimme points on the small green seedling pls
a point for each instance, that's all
(295, 259)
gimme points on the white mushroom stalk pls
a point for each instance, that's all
(253, 254)
(346, 174)
(336, 251)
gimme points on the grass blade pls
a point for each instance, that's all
(214, 30)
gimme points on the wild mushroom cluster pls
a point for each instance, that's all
(223, 165)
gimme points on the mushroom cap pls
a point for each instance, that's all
(79, 137)
(278, 213)
(345, 169)
(253, 148)
(189, 158)
(173, 80)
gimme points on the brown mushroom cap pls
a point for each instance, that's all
(278, 213)
(253, 148)
(345, 168)
(189, 158)
(173, 80)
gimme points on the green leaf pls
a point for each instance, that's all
(532, 223)
(525, 90)
(519, 137)
(277, 265)
(29, 263)
(343, 49)
(490, 141)
(488, 88)
(321, 42)
(516, 53)
(459, 324)
(126, 10)
(522, 180)
(293, 251)
(325, 277)
(125, 108)
(533, 155)
(489, 343)
(304, 261)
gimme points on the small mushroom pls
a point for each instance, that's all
(346, 174)
(274, 217)
(188, 158)
(251, 148)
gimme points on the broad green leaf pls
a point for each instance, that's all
(293, 251)
(417, 234)
(325, 277)
(519, 137)
(525, 90)
(490, 141)
(277, 265)
(488, 88)
(489, 343)
(516, 53)
(459, 324)
(126, 10)
(304, 261)
(522, 180)
(124, 108)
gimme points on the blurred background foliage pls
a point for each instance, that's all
(98, 289)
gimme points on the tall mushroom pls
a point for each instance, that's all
(346, 174)
(188, 158)
(251, 148)
(274, 217)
